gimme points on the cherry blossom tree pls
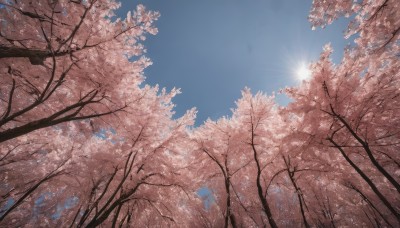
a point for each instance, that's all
(355, 101)
(220, 144)
(351, 107)
(239, 155)
(142, 184)
(256, 114)
(68, 61)
(352, 120)
(376, 22)
(139, 178)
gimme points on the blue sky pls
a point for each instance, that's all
(212, 49)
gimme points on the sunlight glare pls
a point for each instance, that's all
(303, 72)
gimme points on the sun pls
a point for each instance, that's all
(303, 72)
